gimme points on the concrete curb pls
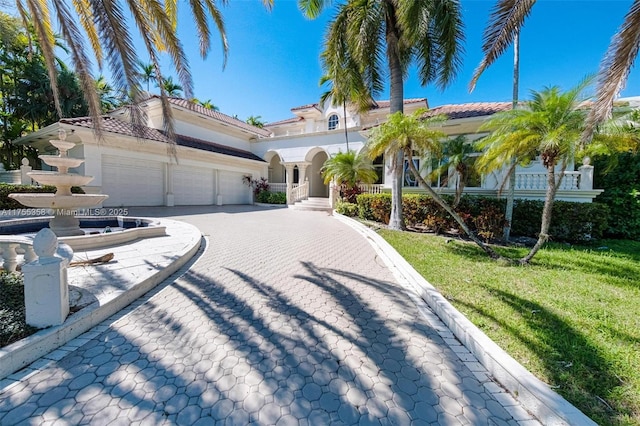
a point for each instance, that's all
(22, 353)
(534, 395)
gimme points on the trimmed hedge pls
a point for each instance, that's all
(571, 222)
(7, 203)
(269, 197)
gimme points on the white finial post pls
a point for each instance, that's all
(46, 292)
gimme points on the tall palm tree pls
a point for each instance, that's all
(349, 170)
(108, 100)
(102, 26)
(147, 73)
(406, 134)
(208, 105)
(549, 126)
(375, 37)
(508, 18)
(503, 29)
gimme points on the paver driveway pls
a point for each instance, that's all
(287, 318)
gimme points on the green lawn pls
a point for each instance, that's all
(571, 317)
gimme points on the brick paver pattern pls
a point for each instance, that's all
(287, 318)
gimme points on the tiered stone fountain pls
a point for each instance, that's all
(63, 203)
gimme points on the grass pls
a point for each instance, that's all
(13, 326)
(571, 317)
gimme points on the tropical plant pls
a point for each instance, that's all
(349, 170)
(457, 163)
(108, 99)
(368, 39)
(255, 120)
(103, 27)
(402, 135)
(171, 88)
(548, 126)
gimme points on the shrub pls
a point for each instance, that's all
(277, 198)
(621, 193)
(10, 203)
(347, 209)
(13, 324)
(571, 222)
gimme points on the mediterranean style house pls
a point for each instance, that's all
(216, 153)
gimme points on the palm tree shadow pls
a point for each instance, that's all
(576, 367)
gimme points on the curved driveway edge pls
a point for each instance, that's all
(137, 268)
(534, 395)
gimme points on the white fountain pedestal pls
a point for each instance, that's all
(63, 203)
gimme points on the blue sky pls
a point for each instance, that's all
(274, 64)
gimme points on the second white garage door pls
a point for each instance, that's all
(233, 190)
(132, 182)
(193, 186)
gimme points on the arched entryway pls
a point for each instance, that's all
(316, 159)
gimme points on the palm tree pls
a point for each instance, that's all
(349, 170)
(108, 100)
(457, 164)
(147, 73)
(548, 126)
(509, 16)
(405, 134)
(503, 30)
(207, 104)
(371, 38)
(255, 120)
(170, 88)
(102, 26)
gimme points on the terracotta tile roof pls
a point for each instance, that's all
(218, 116)
(476, 109)
(316, 106)
(200, 144)
(113, 125)
(386, 104)
(286, 121)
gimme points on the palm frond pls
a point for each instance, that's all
(506, 19)
(614, 68)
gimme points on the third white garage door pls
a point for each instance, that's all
(233, 190)
(193, 186)
(132, 182)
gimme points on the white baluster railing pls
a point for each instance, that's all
(538, 181)
(277, 187)
(368, 188)
(15, 250)
(299, 192)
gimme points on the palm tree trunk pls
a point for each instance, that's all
(543, 237)
(396, 103)
(438, 199)
(344, 113)
(511, 193)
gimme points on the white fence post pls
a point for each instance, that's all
(25, 168)
(586, 175)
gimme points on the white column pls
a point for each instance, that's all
(289, 176)
(170, 197)
(586, 175)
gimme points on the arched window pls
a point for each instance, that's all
(333, 121)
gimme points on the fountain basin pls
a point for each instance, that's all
(57, 179)
(55, 161)
(53, 201)
(130, 229)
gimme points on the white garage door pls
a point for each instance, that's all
(233, 189)
(193, 186)
(132, 182)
